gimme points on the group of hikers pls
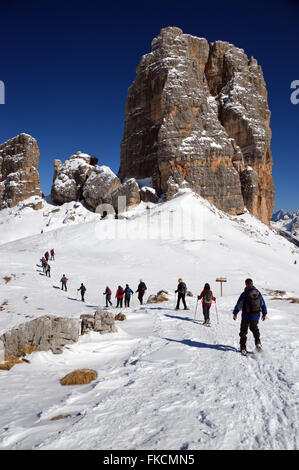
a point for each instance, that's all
(250, 302)
(45, 262)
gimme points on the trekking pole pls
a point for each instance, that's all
(216, 313)
(195, 310)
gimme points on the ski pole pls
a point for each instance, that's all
(216, 313)
(195, 310)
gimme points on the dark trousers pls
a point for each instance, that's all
(119, 303)
(108, 297)
(127, 301)
(82, 296)
(63, 285)
(140, 297)
(48, 273)
(206, 311)
(253, 326)
(181, 297)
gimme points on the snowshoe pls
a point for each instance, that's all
(258, 347)
(243, 352)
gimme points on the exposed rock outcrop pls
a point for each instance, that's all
(42, 334)
(197, 115)
(129, 191)
(70, 177)
(99, 186)
(19, 178)
(102, 322)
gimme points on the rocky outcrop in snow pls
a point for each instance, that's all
(70, 177)
(80, 178)
(102, 322)
(197, 114)
(19, 178)
(42, 334)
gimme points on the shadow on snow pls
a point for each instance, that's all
(197, 344)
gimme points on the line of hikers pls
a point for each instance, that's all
(45, 262)
(250, 302)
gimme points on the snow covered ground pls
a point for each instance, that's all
(164, 381)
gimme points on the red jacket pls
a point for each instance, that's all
(119, 294)
(206, 303)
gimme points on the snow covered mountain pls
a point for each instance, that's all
(164, 381)
(287, 222)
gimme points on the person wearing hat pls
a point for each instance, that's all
(181, 290)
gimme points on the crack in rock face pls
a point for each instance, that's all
(197, 116)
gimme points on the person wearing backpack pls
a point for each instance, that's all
(141, 291)
(82, 288)
(107, 293)
(252, 304)
(207, 299)
(119, 296)
(44, 263)
(181, 290)
(48, 270)
(52, 254)
(128, 292)
(63, 281)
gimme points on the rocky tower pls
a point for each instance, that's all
(19, 178)
(197, 114)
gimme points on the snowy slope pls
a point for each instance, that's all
(287, 222)
(164, 381)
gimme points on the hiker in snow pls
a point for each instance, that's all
(52, 254)
(108, 296)
(128, 292)
(251, 303)
(119, 296)
(141, 290)
(181, 290)
(207, 299)
(82, 288)
(48, 269)
(63, 281)
(47, 256)
(44, 262)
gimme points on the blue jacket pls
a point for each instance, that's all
(128, 292)
(241, 305)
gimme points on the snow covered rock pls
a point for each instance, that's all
(148, 194)
(197, 114)
(102, 322)
(19, 178)
(130, 191)
(71, 176)
(43, 333)
(99, 186)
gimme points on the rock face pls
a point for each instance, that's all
(99, 186)
(19, 178)
(43, 334)
(70, 177)
(197, 115)
(102, 322)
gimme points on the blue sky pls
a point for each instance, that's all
(67, 67)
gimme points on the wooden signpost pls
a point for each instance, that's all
(221, 280)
